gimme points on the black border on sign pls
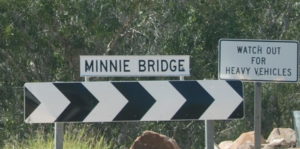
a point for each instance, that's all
(256, 40)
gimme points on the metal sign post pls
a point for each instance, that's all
(86, 79)
(257, 114)
(181, 78)
(209, 134)
(59, 135)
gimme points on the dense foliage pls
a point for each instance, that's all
(41, 40)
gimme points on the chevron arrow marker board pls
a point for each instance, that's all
(133, 101)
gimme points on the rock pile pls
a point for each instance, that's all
(225, 144)
(279, 138)
(244, 141)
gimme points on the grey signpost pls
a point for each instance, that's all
(209, 134)
(258, 61)
(257, 114)
(59, 135)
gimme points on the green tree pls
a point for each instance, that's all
(42, 40)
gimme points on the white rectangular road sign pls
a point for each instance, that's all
(47, 102)
(258, 60)
(124, 66)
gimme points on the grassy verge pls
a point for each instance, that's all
(78, 139)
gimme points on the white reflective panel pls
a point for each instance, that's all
(258, 60)
(120, 66)
(111, 101)
(168, 100)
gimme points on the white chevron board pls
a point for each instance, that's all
(133, 101)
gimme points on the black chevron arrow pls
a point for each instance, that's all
(237, 86)
(31, 103)
(197, 99)
(239, 111)
(139, 101)
(82, 101)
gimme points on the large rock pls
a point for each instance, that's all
(153, 140)
(267, 146)
(275, 144)
(245, 141)
(247, 145)
(225, 144)
(282, 137)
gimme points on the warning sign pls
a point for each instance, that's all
(258, 60)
